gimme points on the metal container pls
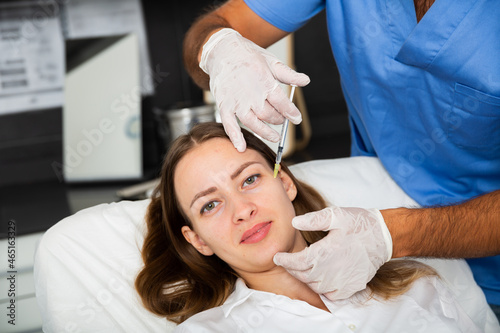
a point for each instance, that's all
(180, 119)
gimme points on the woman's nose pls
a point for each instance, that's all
(244, 208)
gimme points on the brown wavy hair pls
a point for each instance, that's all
(178, 282)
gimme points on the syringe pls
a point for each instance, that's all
(284, 130)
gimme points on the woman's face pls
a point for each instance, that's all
(238, 211)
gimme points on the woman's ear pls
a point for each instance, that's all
(288, 185)
(195, 240)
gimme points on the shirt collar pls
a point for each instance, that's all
(240, 294)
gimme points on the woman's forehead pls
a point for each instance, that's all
(213, 161)
(217, 151)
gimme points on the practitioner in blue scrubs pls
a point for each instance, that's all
(421, 80)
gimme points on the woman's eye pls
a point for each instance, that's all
(250, 180)
(209, 206)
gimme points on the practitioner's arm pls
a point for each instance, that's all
(467, 230)
(234, 14)
(359, 241)
(227, 44)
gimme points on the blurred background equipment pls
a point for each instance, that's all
(180, 118)
(102, 113)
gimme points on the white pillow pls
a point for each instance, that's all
(85, 268)
(353, 182)
(85, 265)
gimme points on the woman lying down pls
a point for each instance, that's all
(214, 225)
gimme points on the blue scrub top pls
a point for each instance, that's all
(424, 98)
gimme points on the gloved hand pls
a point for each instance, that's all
(344, 261)
(244, 79)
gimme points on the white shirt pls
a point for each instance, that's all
(427, 307)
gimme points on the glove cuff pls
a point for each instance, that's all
(385, 233)
(211, 43)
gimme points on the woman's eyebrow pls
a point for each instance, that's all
(233, 176)
(241, 168)
(202, 194)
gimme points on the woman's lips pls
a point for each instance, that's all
(256, 233)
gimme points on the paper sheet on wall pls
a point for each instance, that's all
(31, 58)
(97, 18)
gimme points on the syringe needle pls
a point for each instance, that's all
(281, 144)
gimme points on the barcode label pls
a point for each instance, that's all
(12, 71)
(11, 33)
(14, 84)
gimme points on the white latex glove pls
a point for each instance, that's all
(244, 80)
(344, 261)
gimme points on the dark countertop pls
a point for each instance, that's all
(35, 207)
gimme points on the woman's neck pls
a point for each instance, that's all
(280, 282)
